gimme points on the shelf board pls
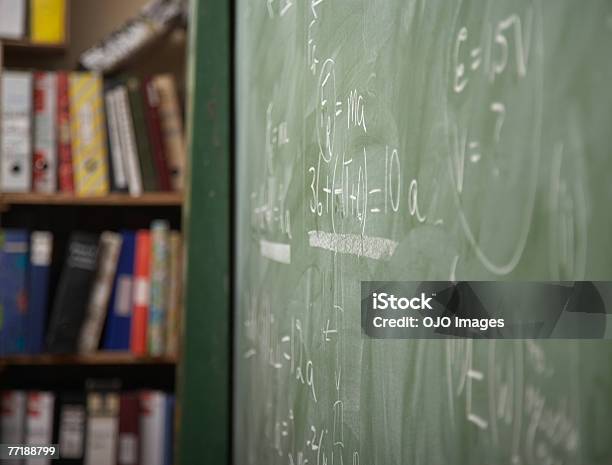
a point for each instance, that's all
(25, 45)
(100, 358)
(147, 199)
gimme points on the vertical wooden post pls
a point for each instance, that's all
(204, 375)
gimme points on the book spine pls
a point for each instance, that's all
(117, 334)
(147, 166)
(13, 289)
(152, 407)
(159, 286)
(12, 19)
(129, 441)
(40, 260)
(70, 426)
(110, 246)
(128, 142)
(169, 430)
(172, 129)
(175, 294)
(117, 157)
(12, 419)
(39, 427)
(151, 103)
(65, 170)
(72, 293)
(47, 21)
(142, 276)
(16, 131)
(88, 135)
(45, 146)
(102, 428)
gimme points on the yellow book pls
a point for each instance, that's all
(88, 133)
(48, 21)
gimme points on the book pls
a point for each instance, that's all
(41, 248)
(39, 423)
(91, 331)
(172, 129)
(145, 157)
(14, 245)
(117, 334)
(154, 20)
(160, 230)
(175, 293)
(152, 427)
(48, 21)
(65, 171)
(12, 419)
(16, 131)
(141, 293)
(88, 135)
(151, 104)
(72, 293)
(12, 19)
(127, 139)
(129, 430)
(44, 171)
(102, 428)
(69, 429)
(117, 157)
(169, 430)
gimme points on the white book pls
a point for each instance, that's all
(152, 427)
(45, 133)
(102, 429)
(12, 419)
(16, 132)
(91, 331)
(128, 142)
(39, 423)
(12, 19)
(117, 155)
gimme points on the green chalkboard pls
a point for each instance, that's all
(413, 140)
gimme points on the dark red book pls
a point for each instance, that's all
(129, 430)
(65, 170)
(151, 101)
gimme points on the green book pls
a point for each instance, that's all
(145, 155)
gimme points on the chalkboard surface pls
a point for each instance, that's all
(413, 140)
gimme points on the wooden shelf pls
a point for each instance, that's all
(27, 46)
(100, 358)
(152, 199)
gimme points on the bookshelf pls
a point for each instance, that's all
(26, 46)
(87, 22)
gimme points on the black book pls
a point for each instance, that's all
(69, 428)
(72, 293)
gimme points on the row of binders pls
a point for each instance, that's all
(92, 427)
(116, 292)
(71, 132)
(38, 21)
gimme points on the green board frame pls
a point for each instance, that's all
(205, 372)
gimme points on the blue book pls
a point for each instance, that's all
(169, 431)
(41, 247)
(14, 245)
(117, 334)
